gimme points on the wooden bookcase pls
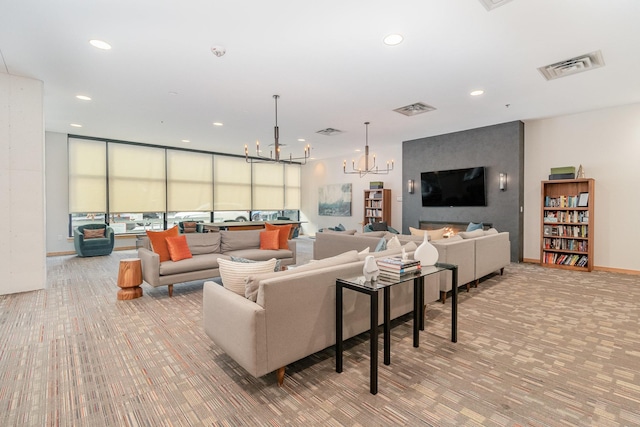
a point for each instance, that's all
(377, 206)
(567, 224)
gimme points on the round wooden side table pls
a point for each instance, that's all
(130, 279)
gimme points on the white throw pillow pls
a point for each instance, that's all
(394, 243)
(436, 234)
(365, 251)
(233, 274)
(416, 231)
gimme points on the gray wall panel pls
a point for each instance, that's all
(500, 148)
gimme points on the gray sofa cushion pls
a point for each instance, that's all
(260, 254)
(252, 282)
(236, 240)
(197, 263)
(339, 231)
(203, 243)
(471, 234)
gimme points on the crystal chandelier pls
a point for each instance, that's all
(276, 158)
(366, 168)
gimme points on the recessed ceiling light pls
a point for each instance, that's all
(217, 124)
(83, 97)
(185, 140)
(75, 125)
(476, 92)
(393, 39)
(100, 44)
(301, 140)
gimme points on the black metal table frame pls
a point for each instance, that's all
(418, 317)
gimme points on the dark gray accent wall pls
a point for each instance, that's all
(499, 148)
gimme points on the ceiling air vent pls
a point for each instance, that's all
(492, 4)
(329, 132)
(581, 63)
(414, 109)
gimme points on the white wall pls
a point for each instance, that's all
(329, 171)
(22, 199)
(607, 144)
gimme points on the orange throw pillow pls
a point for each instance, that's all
(285, 230)
(269, 239)
(159, 243)
(178, 248)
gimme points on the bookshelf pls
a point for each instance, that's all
(377, 206)
(567, 224)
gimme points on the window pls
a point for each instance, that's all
(268, 186)
(232, 184)
(136, 187)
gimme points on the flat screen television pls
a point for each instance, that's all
(455, 187)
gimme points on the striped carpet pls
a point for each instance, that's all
(536, 347)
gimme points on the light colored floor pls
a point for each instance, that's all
(537, 347)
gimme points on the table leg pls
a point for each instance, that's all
(454, 304)
(338, 328)
(421, 301)
(373, 374)
(416, 313)
(387, 326)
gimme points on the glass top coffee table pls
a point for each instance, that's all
(358, 284)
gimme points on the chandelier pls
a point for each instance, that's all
(274, 156)
(363, 166)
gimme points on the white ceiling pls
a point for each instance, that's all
(325, 59)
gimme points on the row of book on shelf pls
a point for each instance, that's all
(563, 216)
(375, 204)
(565, 259)
(566, 230)
(566, 244)
(561, 202)
(396, 268)
(373, 212)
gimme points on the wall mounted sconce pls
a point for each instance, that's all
(503, 181)
(411, 186)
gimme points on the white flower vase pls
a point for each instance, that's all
(426, 253)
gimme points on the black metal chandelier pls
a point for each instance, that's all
(274, 156)
(366, 168)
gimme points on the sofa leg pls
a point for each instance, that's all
(468, 286)
(280, 375)
(443, 296)
(502, 271)
(475, 284)
(170, 291)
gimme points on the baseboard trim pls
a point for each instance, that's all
(595, 268)
(121, 248)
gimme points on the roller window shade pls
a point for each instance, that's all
(87, 176)
(137, 179)
(292, 187)
(189, 181)
(232, 184)
(268, 186)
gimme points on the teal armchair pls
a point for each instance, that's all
(95, 246)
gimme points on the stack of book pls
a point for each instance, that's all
(397, 268)
(565, 172)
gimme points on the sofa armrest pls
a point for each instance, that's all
(461, 253)
(150, 266)
(493, 252)
(292, 247)
(237, 325)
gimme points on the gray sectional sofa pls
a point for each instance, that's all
(476, 253)
(293, 315)
(206, 248)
